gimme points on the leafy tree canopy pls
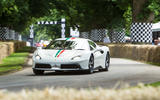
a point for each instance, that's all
(18, 14)
(142, 10)
(84, 14)
(93, 14)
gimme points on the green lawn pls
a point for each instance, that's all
(156, 84)
(156, 64)
(15, 61)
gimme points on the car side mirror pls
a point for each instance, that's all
(100, 50)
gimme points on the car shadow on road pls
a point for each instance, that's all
(69, 73)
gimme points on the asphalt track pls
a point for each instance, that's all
(121, 72)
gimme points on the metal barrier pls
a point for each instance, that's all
(99, 35)
(8, 34)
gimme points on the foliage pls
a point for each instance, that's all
(110, 14)
(83, 14)
(19, 14)
(147, 8)
(156, 84)
(128, 19)
(154, 6)
(92, 14)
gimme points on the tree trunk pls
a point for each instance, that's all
(141, 31)
(137, 7)
(110, 34)
(151, 17)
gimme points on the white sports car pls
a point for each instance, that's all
(70, 54)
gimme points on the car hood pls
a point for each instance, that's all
(59, 54)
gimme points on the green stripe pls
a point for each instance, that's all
(67, 39)
(58, 53)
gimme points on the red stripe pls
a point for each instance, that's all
(60, 53)
(72, 38)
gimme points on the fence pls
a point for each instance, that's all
(8, 34)
(141, 32)
(99, 35)
(117, 36)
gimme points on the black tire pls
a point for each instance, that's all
(38, 72)
(91, 65)
(107, 62)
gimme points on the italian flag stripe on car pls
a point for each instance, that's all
(67, 39)
(58, 53)
(70, 38)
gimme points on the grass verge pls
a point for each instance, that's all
(15, 61)
(156, 84)
(151, 63)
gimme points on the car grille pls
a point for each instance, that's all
(43, 66)
(70, 66)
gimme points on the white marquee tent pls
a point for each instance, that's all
(156, 27)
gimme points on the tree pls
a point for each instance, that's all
(19, 14)
(92, 14)
(143, 12)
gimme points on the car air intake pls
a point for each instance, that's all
(70, 66)
(43, 66)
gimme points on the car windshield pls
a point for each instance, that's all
(62, 44)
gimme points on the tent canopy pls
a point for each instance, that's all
(156, 27)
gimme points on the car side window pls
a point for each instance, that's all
(91, 48)
(92, 45)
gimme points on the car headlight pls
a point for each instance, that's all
(37, 57)
(76, 57)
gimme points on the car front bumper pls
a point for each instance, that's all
(58, 69)
(60, 66)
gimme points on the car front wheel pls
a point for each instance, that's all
(38, 72)
(91, 65)
(107, 62)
